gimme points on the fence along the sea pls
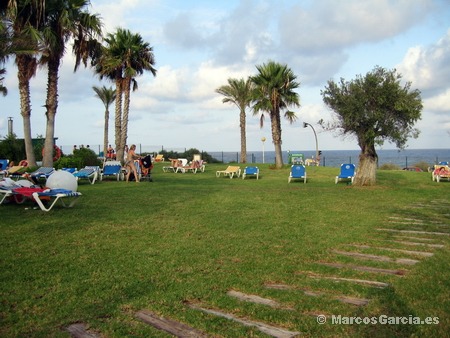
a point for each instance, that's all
(334, 158)
(329, 158)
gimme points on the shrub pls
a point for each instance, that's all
(422, 165)
(80, 158)
(389, 166)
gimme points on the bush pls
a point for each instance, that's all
(80, 158)
(189, 155)
(389, 166)
(422, 165)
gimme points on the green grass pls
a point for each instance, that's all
(188, 238)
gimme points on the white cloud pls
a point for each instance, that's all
(428, 67)
(439, 103)
(327, 25)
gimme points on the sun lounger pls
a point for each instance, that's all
(56, 195)
(230, 171)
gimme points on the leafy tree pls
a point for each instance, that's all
(240, 93)
(274, 91)
(125, 56)
(3, 89)
(107, 96)
(20, 20)
(12, 149)
(65, 20)
(374, 108)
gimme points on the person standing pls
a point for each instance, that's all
(129, 164)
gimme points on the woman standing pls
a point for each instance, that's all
(130, 163)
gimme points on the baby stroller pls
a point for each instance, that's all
(146, 167)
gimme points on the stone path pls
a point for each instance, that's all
(414, 232)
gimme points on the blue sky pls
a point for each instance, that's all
(198, 45)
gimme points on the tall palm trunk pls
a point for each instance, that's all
(126, 111)
(105, 132)
(51, 105)
(118, 114)
(26, 66)
(276, 137)
(243, 136)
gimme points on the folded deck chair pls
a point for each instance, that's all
(15, 171)
(41, 173)
(159, 158)
(112, 169)
(347, 173)
(230, 171)
(250, 171)
(70, 170)
(56, 195)
(298, 171)
(89, 173)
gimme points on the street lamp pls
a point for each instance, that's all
(263, 139)
(305, 124)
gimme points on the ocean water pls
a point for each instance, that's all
(334, 158)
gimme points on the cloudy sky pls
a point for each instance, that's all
(199, 44)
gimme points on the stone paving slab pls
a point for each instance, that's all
(397, 272)
(410, 252)
(377, 258)
(344, 299)
(373, 283)
(178, 329)
(79, 330)
(270, 330)
(416, 232)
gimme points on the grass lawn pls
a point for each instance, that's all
(188, 239)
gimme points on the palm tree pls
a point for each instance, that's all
(107, 96)
(64, 19)
(274, 91)
(4, 50)
(21, 19)
(125, 57)
(239, 92)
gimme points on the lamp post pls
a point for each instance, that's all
(263, 139)
(305, 124)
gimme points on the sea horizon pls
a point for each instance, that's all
(334, 158)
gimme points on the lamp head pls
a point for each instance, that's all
(305, 124)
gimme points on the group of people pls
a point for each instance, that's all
(129, 157)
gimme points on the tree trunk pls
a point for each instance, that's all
(118, 113)
(24, 73)
(126, 110)
(276, 137)
(52, 106)
(243, 137)
(367, 167)
(105, 132)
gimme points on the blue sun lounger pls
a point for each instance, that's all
(250, 171)
(89, 173)
(298, 171)
(56, 195)
(347, 173)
